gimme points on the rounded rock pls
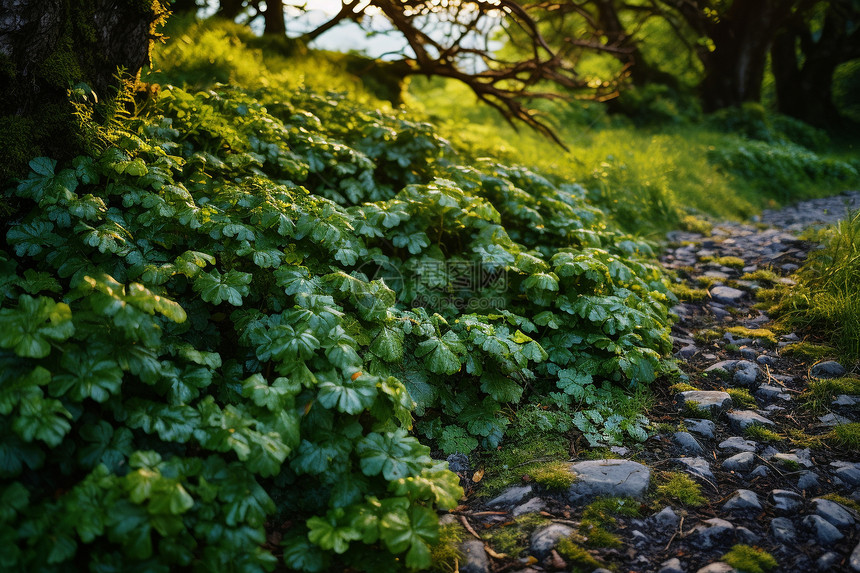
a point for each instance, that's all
(475, 559)
(743, 500)
(827, 534)
(616, 478)
(544, 540)
(827, 369)
(688, 443)
(782, 529)
(739, 462)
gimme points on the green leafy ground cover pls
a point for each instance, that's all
(229, 316)
(217, 331)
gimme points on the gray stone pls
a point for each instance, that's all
(850, 475)
(799, 457)
(740, 419)
(744, 535)
(786, 501)
(727, 366)
(764, 359)
(687, 351)
(698, 467)
(742, 500)
(854, 560)
(704, 428)
(716, 402)
(617, 478)
(458, 462)
(475, 559)
(746, 373)
(833, 512)
(544, 540)
(827, 534)
(715, 531)
(770, 392)
(666, 519)
(833, 419)
(740, 462)
(807, 480)
(688, 443)
(640, 539)
(672, 565)
(827, 561)
(511, 496)
(718, 567)
(737, 443)
(782, 529)
(619, 450)
(846, 400)
(827, 369)
(769, 452)
(448, 519)
(534, 505)
(749, 353)
(759, 471)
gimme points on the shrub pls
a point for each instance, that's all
(218, 323)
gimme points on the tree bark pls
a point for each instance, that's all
(49, 46)
(804, 64)
(734, 67)
(274, 17)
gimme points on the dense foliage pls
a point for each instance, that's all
(227, 318)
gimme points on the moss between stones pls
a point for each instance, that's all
(741, 397)
(748, 559)
(681, 488)
(682, 387)
(760, 333)
(553, 475)
(599, 515)
(808, 350)
(845, 435)
(761, 275)
(512, 538)
(819, 393)
(841, 500)
(577, 557)
(762, 434)
(445, 553)
(685, 292)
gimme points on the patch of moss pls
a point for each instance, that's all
(599, 454)
(820, 392)
(766, 275)
(445, 553)
(845, 435)
(693, 410)
(694, 224)
(553, 475)
(759, 333)
(577, 557)
(761, 434)
(741, 397)
(801, 439)
(682, 387)
(682, 488)
(600, 515)
(706, 282)
(733, 262)
(509, 464)
(748, 559)
(842, 500)
(512, 538)
(707, 335)
(685, 292)
(808, 350)
(789, 464)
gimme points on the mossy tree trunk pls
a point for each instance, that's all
(50, 46)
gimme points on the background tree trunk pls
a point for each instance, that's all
(274, 17)
(49, 46)
(734, 67)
